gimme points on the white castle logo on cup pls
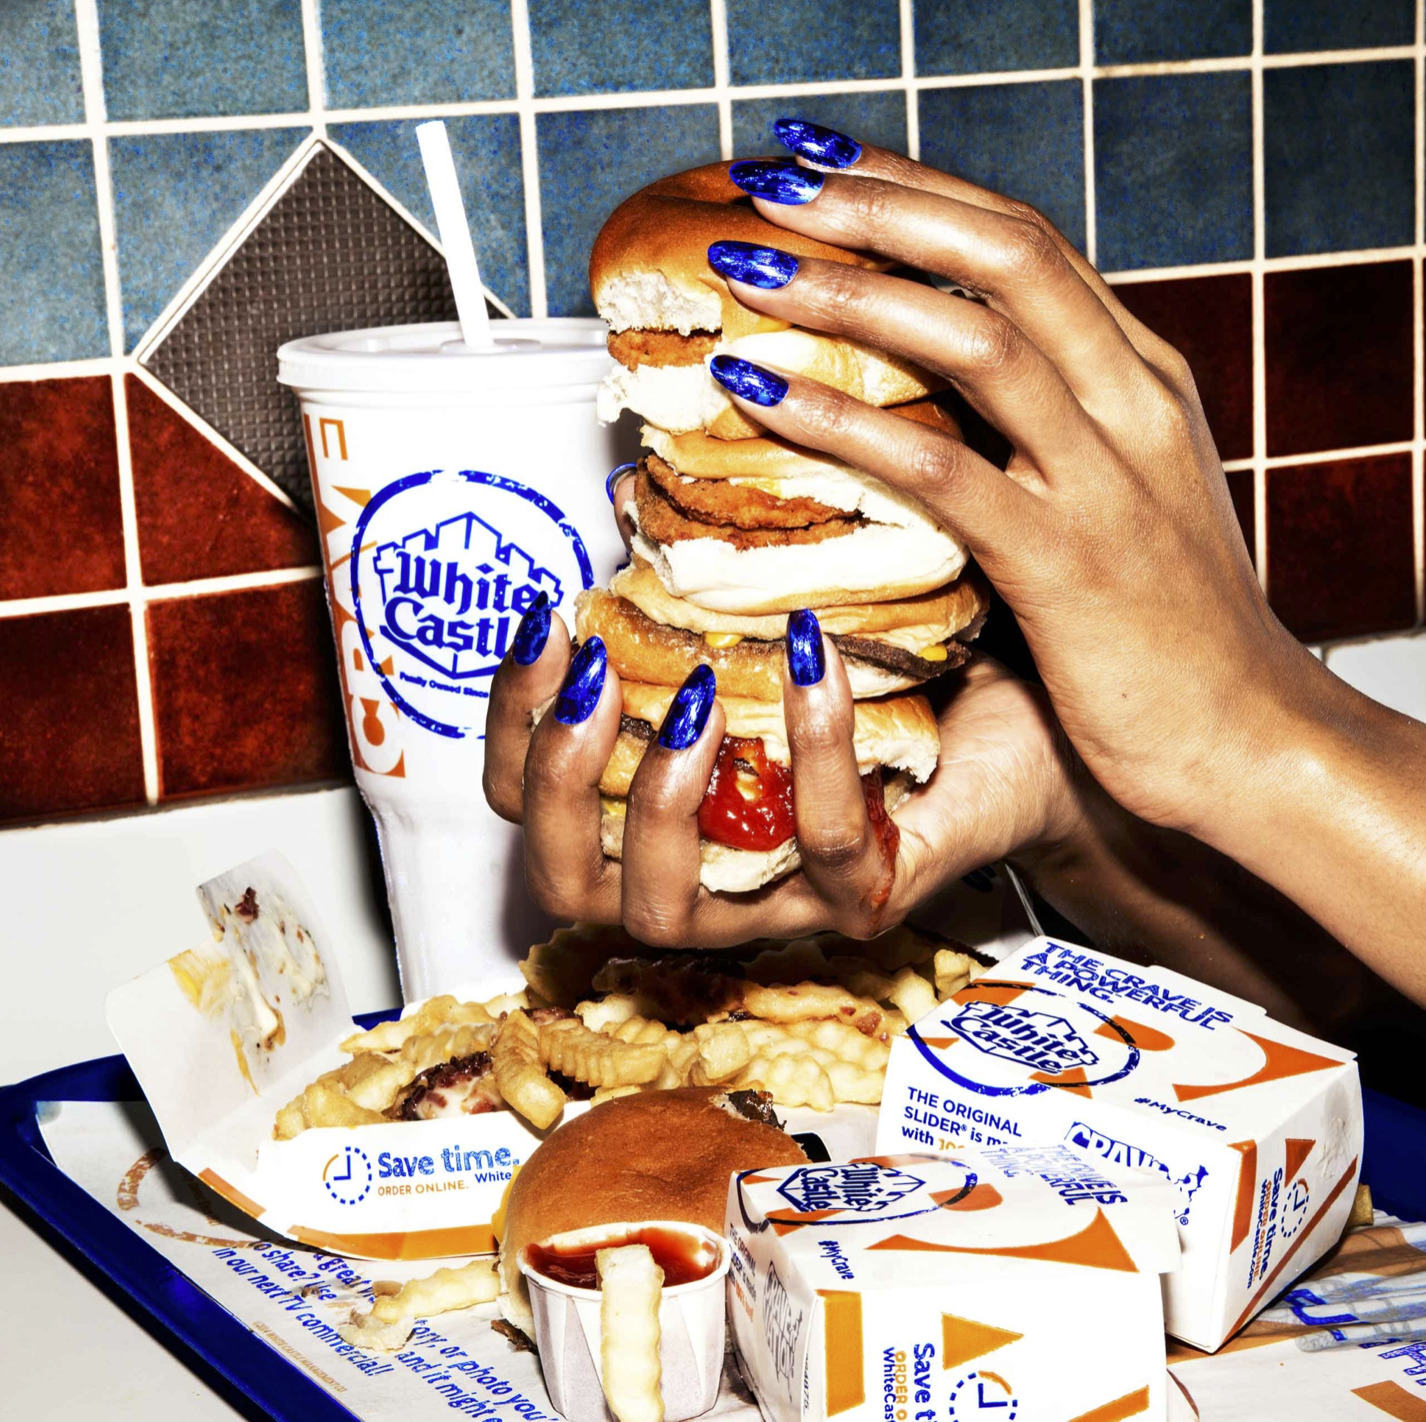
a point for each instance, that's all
(1016, 1034)
(452, 595)
(864, 1188)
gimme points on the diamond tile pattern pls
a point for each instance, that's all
(331, 255)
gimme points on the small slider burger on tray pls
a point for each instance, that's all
(734, 529)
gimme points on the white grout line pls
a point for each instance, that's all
(907, 18)
(529, 156)
(160, 592)
(1086, 70)
(718, 28)
(316, 67)
(1260, 366)
(91, 78)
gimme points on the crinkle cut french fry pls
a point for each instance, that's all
(387, 1324)
(913, 995)
(952, 972)
(519, 1074)
(723, 1052)
(435, 1013)
(570, 1048)
(630, 1291)
(803, 1001)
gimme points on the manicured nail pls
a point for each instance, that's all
(582, 684)
(805, 657)
(767, 267)
(777, 182)
(818, 142)
(688, 711)
(615, 475)
(533, 632)
(747, 380)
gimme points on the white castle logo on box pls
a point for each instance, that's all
(864, 1188)
(452, 595)
(1038, 1040)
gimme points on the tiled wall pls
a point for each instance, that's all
(1250, 172)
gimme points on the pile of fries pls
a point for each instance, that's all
(808, 1021)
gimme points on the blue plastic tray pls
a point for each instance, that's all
(223, 1351)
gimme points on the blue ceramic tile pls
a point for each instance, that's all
(614, 46)
(1337, 157)
(51, 272)
(978, 36)
(175, 195)
(804, 41)
(1024, 140)
(1140, 31)
(418, 52)
(189, 58)
(590, 162)
(1173, 170)
(487, 154)
(1293, 25)
(39, 63)
(869, 118)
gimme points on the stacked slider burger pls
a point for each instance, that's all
(736, 528)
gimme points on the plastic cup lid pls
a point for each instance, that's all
(432, 357)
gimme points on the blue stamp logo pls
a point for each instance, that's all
(864, 1188)
(347, 1176)
(1039, 1040)
(444, 564)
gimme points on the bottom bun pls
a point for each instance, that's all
(722, 869)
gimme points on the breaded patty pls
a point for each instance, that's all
(636, 347)
(718, 501)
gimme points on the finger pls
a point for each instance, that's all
(825, 148)
(843, 857)
(526, 679)
(565, 868)
(962, 491)
(620, 488)
(989, 358)
(1014, 263)
(661, 854)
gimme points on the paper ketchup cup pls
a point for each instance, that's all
(452, 486)
(692, 1324)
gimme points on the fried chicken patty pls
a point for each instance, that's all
(636, 347)
(719, 501)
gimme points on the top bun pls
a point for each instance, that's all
(649, 267)
(660, 1155)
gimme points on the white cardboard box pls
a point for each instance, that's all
(1257, 1126)
(910, 1289)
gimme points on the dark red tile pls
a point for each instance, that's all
(199, 514)
(1338, 350)
(1209, 321)
(71, 723)
(245, 690)
(1339, 547)
(1240, 490)
(60, 525)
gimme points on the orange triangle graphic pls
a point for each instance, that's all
(361, 497)
(1393, 1399)
(327, 520)
(941, 1043)
(981, 1196)
(1298, 1149)
(1130, 1405)
(891, 1162)
(758, 1179)
(1280, 1061)
(1096, 1246)
(963, 1339)
(985, 991)
(1247, 1183)
(1072, 1081)
(784, 1220)
(1147, 1039)
(782, 1226)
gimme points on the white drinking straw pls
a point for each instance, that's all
(455, 234)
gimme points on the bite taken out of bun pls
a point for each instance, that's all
(660, 1155)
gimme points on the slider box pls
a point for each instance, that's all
(1002, 1283)
(1257, 1127)
(225, 1035)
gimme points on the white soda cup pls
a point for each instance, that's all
(452, 487)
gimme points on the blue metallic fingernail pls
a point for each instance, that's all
(615, 474)
(805, 658)
(818, 142)
(583, 683)
(767, 267)
(777, 182)
(688, 711)
(749, 381)
(533, 632)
